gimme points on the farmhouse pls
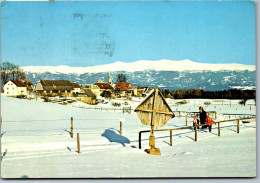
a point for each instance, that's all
(141, 91)
(54, 87)
(124, 89)
(76, 88)
(15, 89)
(88, 97)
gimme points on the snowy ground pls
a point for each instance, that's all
(36, 142)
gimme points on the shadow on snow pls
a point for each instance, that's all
(112, 136)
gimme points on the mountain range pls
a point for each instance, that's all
(166, 74)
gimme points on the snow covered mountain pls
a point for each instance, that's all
(166, 74)
(160, 65)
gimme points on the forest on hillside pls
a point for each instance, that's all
(198, 93)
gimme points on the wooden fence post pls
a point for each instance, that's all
(71, 127)
(170, 137)
(121, 127)
(186, 120)
(78, 143)
(196, 133)
(215, 115)
(130, 110)
(140, 140)
(179, 114)
(123, 110)
(238, 126)
(218, 129)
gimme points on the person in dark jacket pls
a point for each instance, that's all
(202, 117)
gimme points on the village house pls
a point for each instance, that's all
(141, 91)
(87, 96)
(95, 89)
(84, 86)
(124, 89)
(28, 84)
(76, 88)
(103, 87)
(54, 87)
(15, 89)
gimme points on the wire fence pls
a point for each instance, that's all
(67, 129)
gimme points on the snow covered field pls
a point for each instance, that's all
(36, 142)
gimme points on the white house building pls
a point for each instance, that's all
(76, 88)
(15, 88)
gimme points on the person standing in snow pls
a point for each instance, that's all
(195, 121)
(202, 117)
(209, 122)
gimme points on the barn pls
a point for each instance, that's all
(54, 87)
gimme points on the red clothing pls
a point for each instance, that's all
(210, 121)
(195, 121)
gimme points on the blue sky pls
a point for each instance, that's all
(95, 33)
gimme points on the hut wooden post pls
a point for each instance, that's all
(187, 120)
(179, 114)
(218, 129)
(196, 133)
(154, 111)
(153, 150)
(123, 110)
(78, 143)
(71, 127)
(238, 126)
(215, 115)
(170, 137)
(130, 110)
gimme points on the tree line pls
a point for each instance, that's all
(198, 93)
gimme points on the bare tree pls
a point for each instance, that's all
(121, 78)
(11, 71)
